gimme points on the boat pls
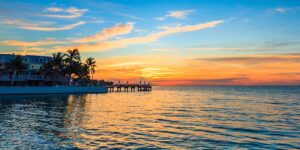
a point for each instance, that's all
(22, 90)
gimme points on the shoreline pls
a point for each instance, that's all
(25, 90)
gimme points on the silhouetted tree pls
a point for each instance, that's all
(58, 64)
(72, 60)
(91, 63)
(14, 66)
(70, 64)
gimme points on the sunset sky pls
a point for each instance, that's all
(166, 42)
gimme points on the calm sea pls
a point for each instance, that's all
(166, 118)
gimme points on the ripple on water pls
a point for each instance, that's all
(166, 118)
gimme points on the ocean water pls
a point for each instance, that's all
(166, 118)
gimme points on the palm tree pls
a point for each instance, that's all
(16, 65)
(47, 70)
(1, 69)
(72, 58)
(72, 55)
(83, 72)
(58, 64)
(91, 63)
(55, 67)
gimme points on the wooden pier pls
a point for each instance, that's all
(129, 87)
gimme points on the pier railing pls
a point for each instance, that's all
(129, 87)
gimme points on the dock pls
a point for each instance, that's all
(129, 87)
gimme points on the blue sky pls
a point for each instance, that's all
(245, 21)
(122, 28)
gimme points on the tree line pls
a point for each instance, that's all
(62, 65)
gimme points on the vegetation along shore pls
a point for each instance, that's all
(60, 69)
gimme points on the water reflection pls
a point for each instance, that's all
(172, 118)
(31, 121)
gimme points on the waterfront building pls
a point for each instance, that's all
(30, 76)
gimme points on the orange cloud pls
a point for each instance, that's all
(72, 12)
(106, 33)
(179, 14)
(255, 59)
(98, 42)
(176, 70)
(66, 27)
(30, 44)
(107, 45)
(27, 51)
(119, 29)
(37, 25)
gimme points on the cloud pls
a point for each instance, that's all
(281, 10)
(119, 29)
(32, 51)
(121, 43)
(198, 49)
(289, 74)
(268, 46)
(128, 64)
(222, 80)
(72, 12)
(166, 27)
(38, 25)
(27, 51)
(166, 49)
(255, 59)
(135, 67)
(18, 23)
(100, 42)
(30, 44)
(180, 14)
(178, 70)
(96, 21)
(129, 16)
(214, 81)
(66, 27)
(54, 9)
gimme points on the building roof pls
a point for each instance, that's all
(33, 59)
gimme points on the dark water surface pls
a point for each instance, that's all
(167, 117)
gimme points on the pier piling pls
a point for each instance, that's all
(132, 87)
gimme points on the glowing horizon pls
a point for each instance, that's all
(162, 42)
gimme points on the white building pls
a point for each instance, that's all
(31, 74)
